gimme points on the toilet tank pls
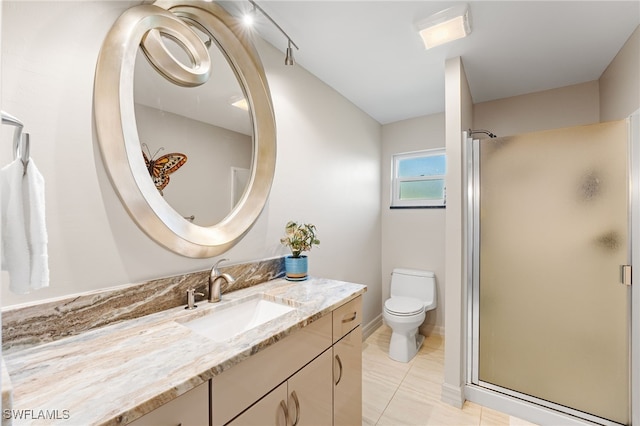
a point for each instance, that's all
(414, 283)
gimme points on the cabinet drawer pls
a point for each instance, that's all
(243, 384)
(346, 318)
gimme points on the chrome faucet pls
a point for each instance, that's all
(215, 282)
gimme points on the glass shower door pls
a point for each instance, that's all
(553, 316)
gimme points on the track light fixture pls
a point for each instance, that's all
(288, 60)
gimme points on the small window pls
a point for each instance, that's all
(419, 179)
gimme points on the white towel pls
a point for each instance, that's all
(24, 232)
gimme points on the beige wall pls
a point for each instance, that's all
(413, 238)
(327, 171)
(620, 82)
(613, 97)
(550, 109)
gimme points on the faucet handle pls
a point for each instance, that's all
(191, 298)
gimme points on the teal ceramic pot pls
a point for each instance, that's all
(296, 268)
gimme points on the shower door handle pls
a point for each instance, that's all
(625, 274)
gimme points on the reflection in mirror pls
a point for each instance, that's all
(202, 124)
(193, 125)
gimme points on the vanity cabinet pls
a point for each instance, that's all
(189, 409)
(245, 383)
(347, 364)
(347, 382)
(312, 377)
(305, 399)
(311, 393)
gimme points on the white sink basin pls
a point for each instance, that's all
(225, 323)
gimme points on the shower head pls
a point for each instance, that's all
(486, 132)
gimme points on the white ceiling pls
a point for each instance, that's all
(370, 52)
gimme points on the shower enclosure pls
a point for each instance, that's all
(548, 241)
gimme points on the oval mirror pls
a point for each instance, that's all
(193, 171)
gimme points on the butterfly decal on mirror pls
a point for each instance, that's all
(160, 168)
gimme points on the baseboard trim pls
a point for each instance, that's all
(371, 327)
(452, 395)
(436, 329)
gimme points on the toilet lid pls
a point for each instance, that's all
(403, 305)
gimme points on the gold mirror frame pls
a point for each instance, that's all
(118, 135)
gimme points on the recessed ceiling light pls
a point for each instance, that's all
(445, 26)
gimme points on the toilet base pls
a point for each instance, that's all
(403, 347)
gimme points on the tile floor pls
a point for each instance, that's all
(404, 394)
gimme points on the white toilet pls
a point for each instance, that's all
(413, 293)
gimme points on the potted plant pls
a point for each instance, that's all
(299, 237)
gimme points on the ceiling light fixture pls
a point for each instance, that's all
(288, 60)
(445, 26)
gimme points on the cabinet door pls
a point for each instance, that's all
(240, 386)
(311, 393)
(271, 410)
(347, 379)
(190, 409)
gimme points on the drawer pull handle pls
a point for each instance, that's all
(283, 405)
(351, 318)
(297, 404)
(340, 366)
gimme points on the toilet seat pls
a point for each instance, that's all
(403, 306)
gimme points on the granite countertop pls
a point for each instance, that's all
(115, 374)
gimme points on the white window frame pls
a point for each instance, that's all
(396, 202)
